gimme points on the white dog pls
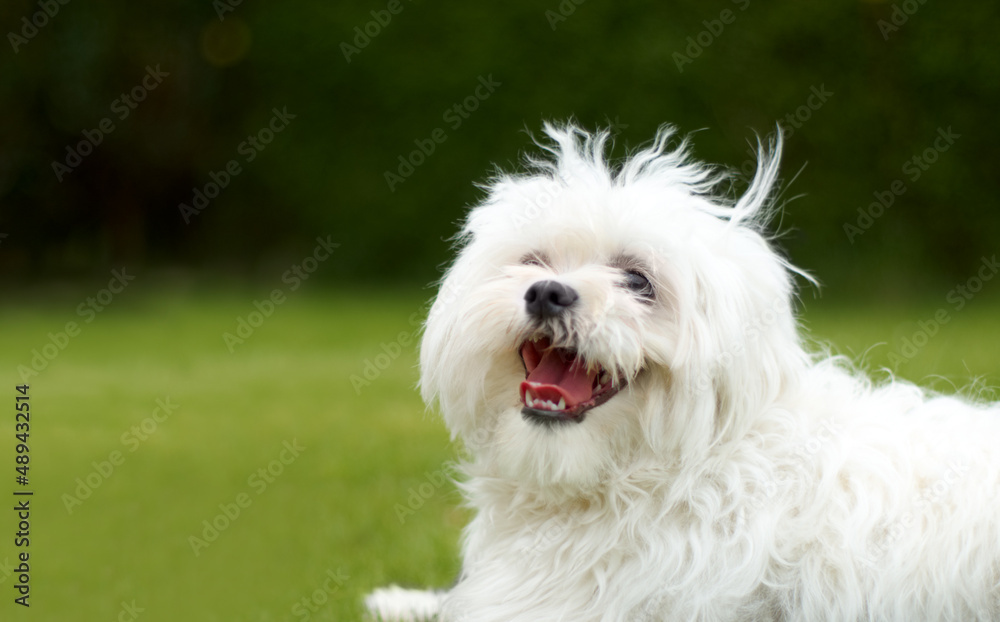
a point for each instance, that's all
(649, 438)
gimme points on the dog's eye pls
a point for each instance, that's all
(532, 260)
(638, 284)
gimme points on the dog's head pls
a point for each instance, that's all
(600, 318)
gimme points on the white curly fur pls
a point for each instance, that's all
(736, 476)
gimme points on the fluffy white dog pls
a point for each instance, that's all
(649, 438)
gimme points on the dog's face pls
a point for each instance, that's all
(597, 321)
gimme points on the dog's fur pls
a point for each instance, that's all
(735, 475)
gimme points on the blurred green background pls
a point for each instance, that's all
(636, 65)
(281, 179)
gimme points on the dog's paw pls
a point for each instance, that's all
(395, 604)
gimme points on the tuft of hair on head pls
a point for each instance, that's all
(759, 204)
(578, 156)
(573, 156)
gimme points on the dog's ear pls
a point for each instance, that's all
(737, 345)
(437, 369)
(456, 353)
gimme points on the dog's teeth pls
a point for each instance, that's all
(536, 402)
(605, 376)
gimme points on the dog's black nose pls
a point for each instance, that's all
(546, 299)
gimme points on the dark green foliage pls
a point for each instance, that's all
(892, 90)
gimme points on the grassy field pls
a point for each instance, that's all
(155, 525)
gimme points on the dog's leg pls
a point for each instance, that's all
(395, 604)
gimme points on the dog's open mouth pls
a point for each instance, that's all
(559, 385)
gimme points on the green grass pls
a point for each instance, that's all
(334, 508)
(906, 341)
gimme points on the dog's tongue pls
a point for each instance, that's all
(557, 374)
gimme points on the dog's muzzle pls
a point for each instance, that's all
(559, 385)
